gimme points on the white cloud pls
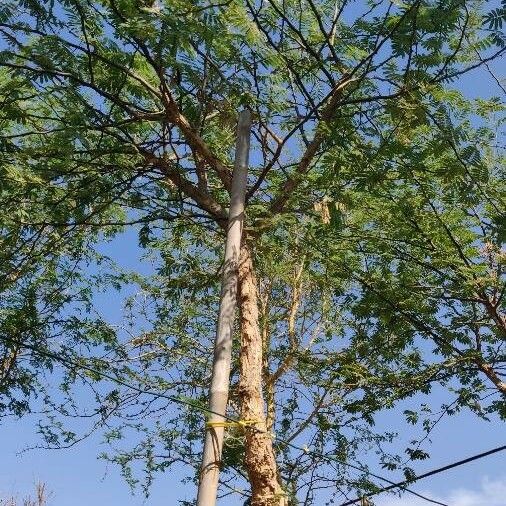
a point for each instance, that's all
(490, 493)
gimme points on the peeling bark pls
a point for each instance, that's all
(259, 458)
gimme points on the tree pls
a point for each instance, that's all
(444, 279)
(46, 302)
(129, 111)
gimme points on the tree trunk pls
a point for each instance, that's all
(220, 379)
(259, 459)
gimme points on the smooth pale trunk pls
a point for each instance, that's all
(213, 445)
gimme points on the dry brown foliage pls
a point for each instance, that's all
(41, 498)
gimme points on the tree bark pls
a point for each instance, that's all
(259, 458)
(489, 372)
(220, 378)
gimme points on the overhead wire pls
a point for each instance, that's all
(333, 458)
(187, 402)
(430, 473)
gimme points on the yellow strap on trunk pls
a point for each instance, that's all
(240, 423)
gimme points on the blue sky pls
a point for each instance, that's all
(77, 478)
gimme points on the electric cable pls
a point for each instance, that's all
(185, 401)
(431, 473)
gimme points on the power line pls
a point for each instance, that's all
(332, 458)
(431, 473)
(184, 401)
(73, 364)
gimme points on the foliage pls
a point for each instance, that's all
(375, 218)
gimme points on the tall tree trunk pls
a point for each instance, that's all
(220, 378)
(259, 460)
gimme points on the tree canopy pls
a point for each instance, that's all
(372, 265)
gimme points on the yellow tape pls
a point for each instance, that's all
(279, 495)
(240, 423)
